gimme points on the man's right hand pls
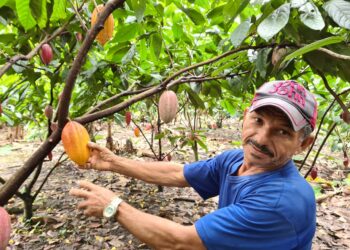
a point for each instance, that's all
(100, 158)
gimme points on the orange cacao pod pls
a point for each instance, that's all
(107, 32)
(46, 54)
(168, 106)
(137, 132)
(75, 138)
(5, 228)
(128, 118)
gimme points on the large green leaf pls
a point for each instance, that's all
(240, 33)
(314, 46)
(195, 99)
(339, 11)
(196, 17)
(156, 45)
(126, 32)
(25, 14)
(139, 6)
(3, 2)
(233, 8)
(59, 10)
(274, 22)
(311, 16)
(297, 3)
(39, 11)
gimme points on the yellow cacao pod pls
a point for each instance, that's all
(168, 105)
(75, 139)
(107, 32)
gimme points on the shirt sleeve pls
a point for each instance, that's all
(242, 226)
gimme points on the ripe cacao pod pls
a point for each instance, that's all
(75, 139)
(345, 116)
(5, 228)
(168, 105)
(48, 111)
(137, 132)
(127, 118)
(46, 54)
(107, 32)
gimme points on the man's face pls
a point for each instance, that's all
(268, 138)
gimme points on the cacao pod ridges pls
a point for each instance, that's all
(168, 105)
(75, 139)
(5, 228)
(107, 32)
(127, 118)
(46, 54)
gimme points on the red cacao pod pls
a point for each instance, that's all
(75, 139)
(48, 111)
(346, 162)
(127, 118)
(168, 157)
(46, 54)
(168, 106)
(107, 32)
(5, 228)
(137, 132)
(345, 116)
(313, 173)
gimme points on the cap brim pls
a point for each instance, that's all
(296, 118)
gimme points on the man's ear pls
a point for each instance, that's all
(307, 142)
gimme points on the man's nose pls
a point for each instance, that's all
(263, 136)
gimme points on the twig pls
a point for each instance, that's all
(149, 144)
(326, 196)
(79, 17)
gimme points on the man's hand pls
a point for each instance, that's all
(101, 158)
(96, 198)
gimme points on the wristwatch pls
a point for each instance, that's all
(111, 210)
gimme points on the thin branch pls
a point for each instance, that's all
(79, 17)
(144, 136)
(35, 177)
(333, 54)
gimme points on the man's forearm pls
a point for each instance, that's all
(160, 173)
(157, 232)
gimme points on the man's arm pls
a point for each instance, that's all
(160, 173)
(157, 232)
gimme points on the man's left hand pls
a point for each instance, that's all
(96, 198)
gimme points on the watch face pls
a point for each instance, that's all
(109, 211)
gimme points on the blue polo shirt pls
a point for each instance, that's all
(271, 210)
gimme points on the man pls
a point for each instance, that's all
(264, 203)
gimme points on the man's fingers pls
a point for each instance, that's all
(79, 193)
(87, 185)
(83, 204)
(93, 146)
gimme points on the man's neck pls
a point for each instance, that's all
(245, 169)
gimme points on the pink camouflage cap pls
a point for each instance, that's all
(292, 98)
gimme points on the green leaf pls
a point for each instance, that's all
(156, 45)
(24, 14)
(3, 2)
(216, 12)
(128, 56)
(196, 17)
(59, 10)
(126, 32)
(139, 6)
(339, 11)
(314, 46)
(240, 33)
(274, 22)
(297, 3)
(311, 16)
(233, 8)
(7, 38)
(201, 144)
(195, 99)
(261, 61)
(39, 11)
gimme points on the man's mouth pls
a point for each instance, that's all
(259, 148)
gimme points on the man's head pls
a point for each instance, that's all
(278, 123)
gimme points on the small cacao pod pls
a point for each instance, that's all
(345, 116)
(46, 53)
(137, 132)
(127, 118)
(5, 228)
(75, 139)
(168, 157)
(168, 105)
(50, 156)
(277, 54)
(313, 173)
(107, 32)
(48, 111)
(346, 162)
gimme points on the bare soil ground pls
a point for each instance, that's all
(59, 225)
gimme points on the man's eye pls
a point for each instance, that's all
(283, 132)
(257, 120)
